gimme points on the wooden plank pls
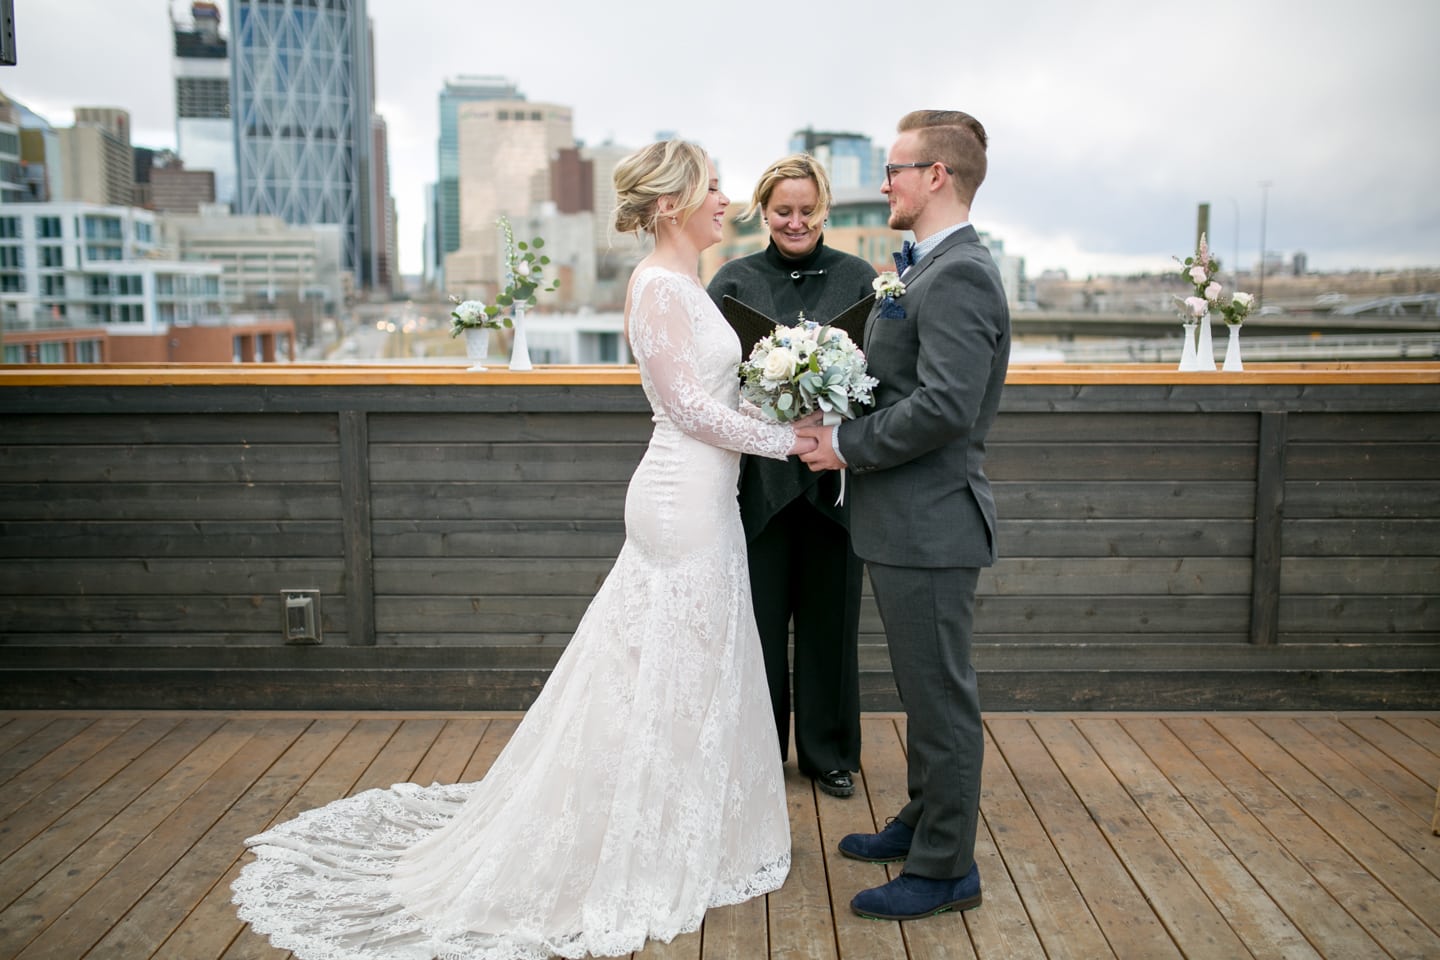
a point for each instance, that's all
(50, 735)
(161, 577)
(1100, 537)
(1348, 460)
(1394, 574)
(1115, 577)
(1060, 922)
(735, 932)
(496, 736)
(497, 501)
(572, 461)
(1042, 498)
(1096, 460)
(326, 774)
(25, 539)
(1128, 922)
(34, 804)
(799, 913)
(1254, 918)
(1324, 861)
(1178, 900)
(448, 756)
(38, 907)
(1326, 925)
(1328, 786)
(173, 428)
(501, 576)
(497, 538)
(81, 926)
(57, 765)
(1070, 427)
(1269, 526)
(170, 501)
(1360, 499)
(857, 937)
(193, 462)
(1366, 427)
(405, 429)
(1374, 762)
(355, 528)
(1370, 540)
(65, 835)
(143, 929)
(184, 614)
(1388, 614)
(395, 763)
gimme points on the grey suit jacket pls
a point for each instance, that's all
(920, 497)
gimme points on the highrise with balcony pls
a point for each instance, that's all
(204, 137)
(301, 103)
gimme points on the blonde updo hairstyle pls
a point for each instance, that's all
(797, 166)
(668, 168)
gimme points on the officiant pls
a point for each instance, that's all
(802, 568)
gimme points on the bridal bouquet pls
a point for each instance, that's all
(797, 370)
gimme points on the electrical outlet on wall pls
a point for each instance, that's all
(300, 615)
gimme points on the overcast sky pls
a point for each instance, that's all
(1109, 120)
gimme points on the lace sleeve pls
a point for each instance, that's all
(662, 334)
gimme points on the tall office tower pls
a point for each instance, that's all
(97, 162)
(853, 162)
(301, 107)
(505, 152)
(387, 270)
(444, 230)
(12, 187)
(204, 137)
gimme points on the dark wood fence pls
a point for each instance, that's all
(1262, 540)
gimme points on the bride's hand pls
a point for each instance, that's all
(803, 445)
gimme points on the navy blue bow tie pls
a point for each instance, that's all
(906, 257)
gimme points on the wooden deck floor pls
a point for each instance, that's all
(1129, 836)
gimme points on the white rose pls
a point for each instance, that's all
(1198, 274)
(779, 364)
(1199, 306)
(522, 268)
(1244, 300)
(1212, 291)
(471, 311)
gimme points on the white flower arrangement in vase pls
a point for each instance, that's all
(524, 269)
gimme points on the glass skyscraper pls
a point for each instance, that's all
(301, 100)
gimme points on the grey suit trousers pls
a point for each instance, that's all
(928, 613)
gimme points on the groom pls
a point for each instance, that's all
(923, 517)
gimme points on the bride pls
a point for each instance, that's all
(644, 785)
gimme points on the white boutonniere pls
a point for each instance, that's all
(889, 288)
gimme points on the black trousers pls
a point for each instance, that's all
(803, 570)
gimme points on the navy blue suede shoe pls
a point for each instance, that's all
(909, 897)
(890, 845)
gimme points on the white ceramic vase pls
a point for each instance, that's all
(1187, 351)
(1232, 349)
(519, 349)
(1204, 347)
(477, 346)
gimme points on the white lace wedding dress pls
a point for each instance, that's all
(642, 787)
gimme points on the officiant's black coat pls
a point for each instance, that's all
(801, 563)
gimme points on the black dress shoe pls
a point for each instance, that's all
(837, 783)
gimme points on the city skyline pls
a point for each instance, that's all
(1109, 125)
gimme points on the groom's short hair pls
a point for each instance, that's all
(957, 140)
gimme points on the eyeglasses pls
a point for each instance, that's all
(890, 168)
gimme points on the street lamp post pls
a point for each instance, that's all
(1264, 195)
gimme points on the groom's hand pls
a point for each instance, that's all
(823, 457)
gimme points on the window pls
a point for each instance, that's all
(12, 283)
(48, 227)
(99, 285)
(52, 351)
(52, 285)
(87, 351)
(164, 285)
(9, 228)
(52, 256)
(12, 257)
(128, 286)
(14, 353)
(143, 231)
